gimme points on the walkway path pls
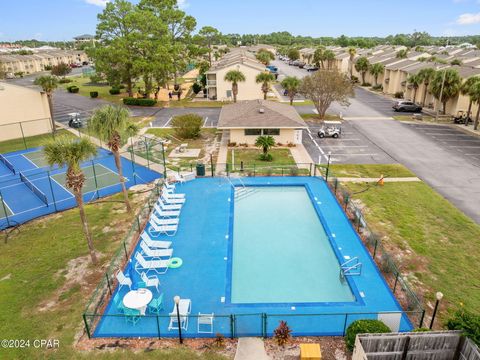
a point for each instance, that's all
(301, 156)
(222, 153)
(250, 348)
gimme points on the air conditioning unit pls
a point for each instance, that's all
(261, 110)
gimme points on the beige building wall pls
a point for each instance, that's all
(238, 136)
(247, 90)
(35, 117)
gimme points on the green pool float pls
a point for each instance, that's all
(175, 262)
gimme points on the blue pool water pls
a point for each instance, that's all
(281, 253)
(275, 252)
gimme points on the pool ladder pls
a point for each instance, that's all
(241, 191)
(352, 266)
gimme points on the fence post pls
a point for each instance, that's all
(211, 164)
(4, 210)
(264, 325)
(347, 199)
(375, 248)
(315, 170)
(125, 249)
(51, 190)
(95, 178)
(253, 170)
(345, 324)
(86, 326)
(421, 318)
(23, 136)
(405, 348)
(282, 171)
(158, 326)
(395, 285)
(108, 283)
(232, 326)
(138, 224)
(227, 167)
(146, 151)
(132, 159)
(310, 172)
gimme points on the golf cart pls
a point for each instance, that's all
(331, 129)
(74, 120)
(462, 117)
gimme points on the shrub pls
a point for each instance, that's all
(19, 74)
(93, 94)
(366, 84)
(65, 81)
(467, 322)
(378, 87)
(398, 95)
(139, 102)
(354, 79)
(96, 78)
(114, 91)
(219, 341)
(187, 126)
(282, 333)
(232, 144)
(266, 157)
(363, 327)
(196, 88)
(421, 330)
(73, 89)
(47, 67)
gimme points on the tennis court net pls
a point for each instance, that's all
(7, 163)
(34, 189)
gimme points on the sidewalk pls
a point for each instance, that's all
(222, 153)
(250, 348)
(301, 156)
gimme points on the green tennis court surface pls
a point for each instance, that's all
(37, 158)
(4, 209)
(96, 178)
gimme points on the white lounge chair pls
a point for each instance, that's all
(154, 244)
(150, 281)
(159, 266)
(170, 200)
(168, 230)
(165, 213)
(205, 323)
(178, 178)
(123, 280)
(184, 308)
(166, 221)
(172, 194)
(170, 187)
(155, 253)
(169, 207)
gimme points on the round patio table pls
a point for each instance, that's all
(138, 299)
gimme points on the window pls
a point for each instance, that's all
(271, 131)
(255, 132)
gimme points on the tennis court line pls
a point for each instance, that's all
(9, 186)
(63, 187)
(31, 162)
(112, 171)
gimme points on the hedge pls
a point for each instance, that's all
(363, 327)
(139, 102)
(114, 91)
(73, 89)
(93, 94)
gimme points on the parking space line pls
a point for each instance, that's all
(463, 146)
(346, 146)
(168, 122)
(354, 154)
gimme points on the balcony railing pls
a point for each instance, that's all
(211, 82)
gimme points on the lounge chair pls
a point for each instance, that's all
(169, 230)
(164, 221)
(164, 213)
(150, 281)
(170, 187)
(184, 307)
(123, 280)
(169, 207)
(155, 253)
(156, 305)
(170, 200)
(179, 178)
(155, 244)
(205, 323)
(172, 194)
(159, 266)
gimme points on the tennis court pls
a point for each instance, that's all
(29, 188)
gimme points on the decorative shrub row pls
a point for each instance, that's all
(139, 102)
(114, 91)
(93, 94)
(73, 89)
(363, 327)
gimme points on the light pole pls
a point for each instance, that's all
(328, 166)
(176, 299)
(439, 297)
(441, 94)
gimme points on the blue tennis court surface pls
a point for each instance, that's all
(275, 251)
(29, 189)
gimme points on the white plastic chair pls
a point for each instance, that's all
(123, 280)
(150, 281)
(205, 321)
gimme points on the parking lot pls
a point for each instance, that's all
(352, 147)
(164, 117)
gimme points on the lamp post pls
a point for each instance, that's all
(328, 166)
(439, 297)
(176, 299)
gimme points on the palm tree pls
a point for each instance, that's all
(352, 52)
(71, 152)
(265, 78)
(466, 90)
(48, 84)
(445, 86)
(415, 80)
(234, 76)
(402, 54)
(319, 57)
(426, 75)
(265, 142)
(362, 65)
(330, 57)
(375, 70)
(291, 84)
(111, 124)
(475, 97)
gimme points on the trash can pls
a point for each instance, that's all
(200, 169)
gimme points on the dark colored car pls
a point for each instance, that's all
(407, 106)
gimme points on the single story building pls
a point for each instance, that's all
(246, 120)
(18, 119)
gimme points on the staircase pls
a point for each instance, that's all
(352, 266)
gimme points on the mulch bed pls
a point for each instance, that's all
(332, 347)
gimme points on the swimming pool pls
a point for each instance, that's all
(281, 252)
(255, 260)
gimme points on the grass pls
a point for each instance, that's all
(369, 171)
(30, 142)
(410, 118)
(85, 88)
(436, 243)
(36, 299)
(303, 103)
(252, 156)
(315, 117)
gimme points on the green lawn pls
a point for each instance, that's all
(303, 103)
(30, 142)
(85, 88)
(37, 299)
(315, 117)
(369, 171)
(410, 118)
(437, 244)
(252, 156)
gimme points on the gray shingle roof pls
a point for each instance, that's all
(247, 114)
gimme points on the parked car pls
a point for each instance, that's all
(272, 68)
(310, 68)
(74, 120)
(462, 117)
(330, 128)
(301, 64)
(408, 106)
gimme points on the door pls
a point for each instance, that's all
(298, 136)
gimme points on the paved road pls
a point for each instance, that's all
(436, 154)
